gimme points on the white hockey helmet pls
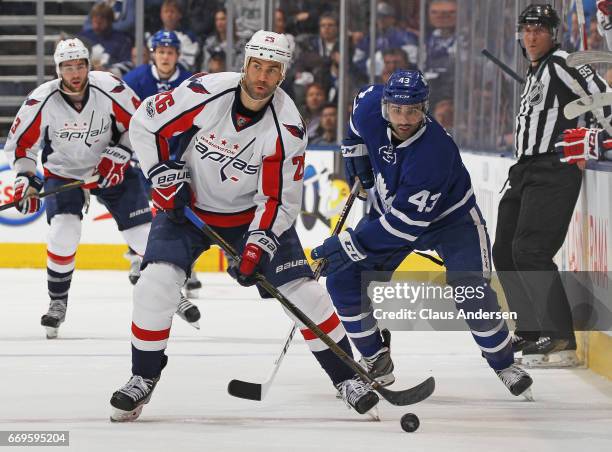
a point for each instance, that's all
(69, 49)
(268, 45)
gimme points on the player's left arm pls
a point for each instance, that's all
(278, 199)
(279, 194)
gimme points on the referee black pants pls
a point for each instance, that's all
(533, 219)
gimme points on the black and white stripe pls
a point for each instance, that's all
(548, 88)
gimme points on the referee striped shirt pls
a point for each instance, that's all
(549, 87)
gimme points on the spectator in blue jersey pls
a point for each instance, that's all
(111, 46)
(422, 199)
(124, 14)
(388, 35)
(171, 14)
(163, 73)
(441, 40)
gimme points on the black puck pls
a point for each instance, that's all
(410, 422)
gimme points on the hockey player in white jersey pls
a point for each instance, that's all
(241, 170)
(80, 121)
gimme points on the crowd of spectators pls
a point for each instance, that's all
(312, 26)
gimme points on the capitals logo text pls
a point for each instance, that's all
(227, 161)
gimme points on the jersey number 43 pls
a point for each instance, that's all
(423, 198)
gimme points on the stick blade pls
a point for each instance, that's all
(245, 390)
(409, 396)
(588, 57)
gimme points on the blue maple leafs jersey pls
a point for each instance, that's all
(145, 81)
(420, 184)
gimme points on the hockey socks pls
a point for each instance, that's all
(332, 365)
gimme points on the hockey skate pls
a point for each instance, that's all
(127, 403)
(516, 380)
(358, 395)
(192, 285)
(550, 353)
(189, 312)
(380, 366)
(54, 317)
(519, 343)
(135, 261)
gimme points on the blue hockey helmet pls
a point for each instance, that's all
(405, 87)
(165, 39)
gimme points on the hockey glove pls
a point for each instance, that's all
(112, 165)
(579, 145)
(26, 188)
(257, 253)
(357, 164)
(170, 190)
(340, 251)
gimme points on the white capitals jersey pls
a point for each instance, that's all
(242, 172)
(71, 140)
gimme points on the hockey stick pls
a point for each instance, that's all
(399, 398)
(61, 188)
(582, 24)
(504, 67)
(257, 391)
(585, 104)
(588, 103)
(589, 57)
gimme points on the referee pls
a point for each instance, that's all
(536, 208)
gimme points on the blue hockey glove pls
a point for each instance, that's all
(257, 253)
(357, 164)
(170, 190)
(340, 251)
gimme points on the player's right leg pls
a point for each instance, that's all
(357, 316)
(64, 218)
(171, 250)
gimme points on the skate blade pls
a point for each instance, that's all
(373, 414)
(51, 332)
(125, 416)
(195, 324)
(528, 395)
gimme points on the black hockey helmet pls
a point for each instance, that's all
(544, 15)
(538, 14)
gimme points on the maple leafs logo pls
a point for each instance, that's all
(383, 192)
(296, 131)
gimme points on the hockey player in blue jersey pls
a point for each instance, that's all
(422, 199)
(164, 74)
(149, 79)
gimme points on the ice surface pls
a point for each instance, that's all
(66, 384)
